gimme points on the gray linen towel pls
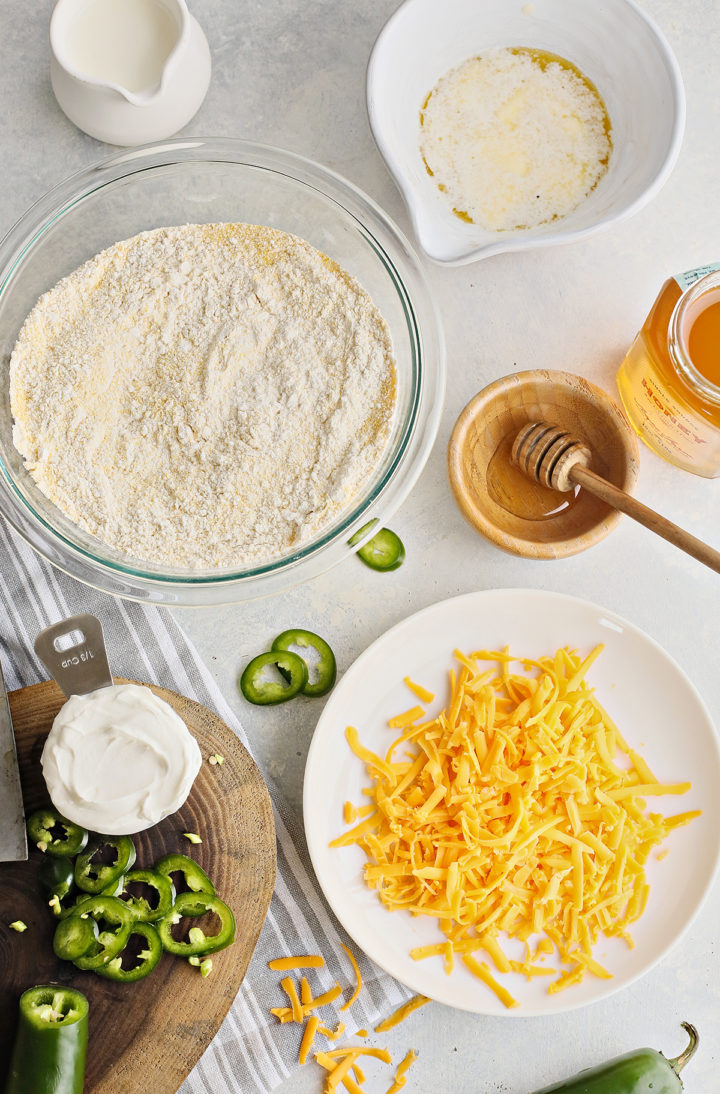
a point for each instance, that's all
(251, 1053)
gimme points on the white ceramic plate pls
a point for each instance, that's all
(656, 708)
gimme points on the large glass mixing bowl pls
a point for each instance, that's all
(202, 181)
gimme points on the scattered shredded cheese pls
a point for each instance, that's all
(401, 1071)
(340, 1061)
(332, 1034)
(327, 997)
(347, 1081)
(288, 1014)
(283, 964)
(308, 1037)
(402, 1013)
(341, 1064)
(519, 810)
(288, 986)
(358, 978)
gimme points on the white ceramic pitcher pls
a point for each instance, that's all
(128, 71)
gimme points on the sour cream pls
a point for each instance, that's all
(119, 759)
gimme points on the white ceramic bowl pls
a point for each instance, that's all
(613, 43)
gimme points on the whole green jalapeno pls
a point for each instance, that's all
(644, 1071)
(50, 1043)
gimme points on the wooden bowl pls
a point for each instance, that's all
(496, 497)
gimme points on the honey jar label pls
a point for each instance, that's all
(680, 436)
(685, 280)
(669, 382)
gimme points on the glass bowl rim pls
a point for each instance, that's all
(417, 431)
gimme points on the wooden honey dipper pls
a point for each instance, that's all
(554, 458)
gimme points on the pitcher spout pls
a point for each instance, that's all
(143, 98)
(128, 70)
(129, 45)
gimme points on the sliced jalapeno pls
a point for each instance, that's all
(322, 668)
(108, 912)
(127, 967)
(258, 686)
(193, 875)
(52, 833)
(140, 906)
(192, 905)
(93, 877)
(362, 532)
(51, 1042)
(74, 936)
(385, 551)
(76, 906)
(116, 887)
(57, 877)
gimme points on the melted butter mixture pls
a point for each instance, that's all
(515, 138)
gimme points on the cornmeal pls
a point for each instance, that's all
(205, 396)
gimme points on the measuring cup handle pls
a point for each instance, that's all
(73, 651)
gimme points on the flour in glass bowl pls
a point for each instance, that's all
(204, 396)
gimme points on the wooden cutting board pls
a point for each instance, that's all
(147, 1035)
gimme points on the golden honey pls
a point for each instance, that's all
(511, 488)
(669, 382)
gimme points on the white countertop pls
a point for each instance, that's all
(291, 73)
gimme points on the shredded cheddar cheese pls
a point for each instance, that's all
(341, 1064)
(298, 1010)
(480, 969)
(308, 1037)
(343, 1053)
(327, 997)
(402, 1013)
(406, 719)
(284, 964)
(332, 1034)
(518, 811)
(422, 693)
(358, 978)
(296, 1007)
(401, 1071)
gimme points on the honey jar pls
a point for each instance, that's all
(669, 382)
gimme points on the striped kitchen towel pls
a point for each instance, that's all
(251, 1053)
